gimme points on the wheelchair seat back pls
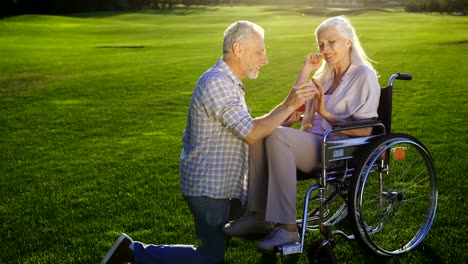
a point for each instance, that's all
(385, 108)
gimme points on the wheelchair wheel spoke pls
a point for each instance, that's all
(397, 197)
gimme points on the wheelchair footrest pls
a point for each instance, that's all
(288, 249)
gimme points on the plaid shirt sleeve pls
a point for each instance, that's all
(226, 105)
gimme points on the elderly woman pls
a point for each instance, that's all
(347, 89)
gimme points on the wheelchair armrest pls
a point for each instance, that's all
(342, 126)
(355, 124)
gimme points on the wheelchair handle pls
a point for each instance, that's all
(399, 76)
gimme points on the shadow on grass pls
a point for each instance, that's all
(271, 259)
(192, 10)
(326, 11)
(456, 43)
(177, 11)
(430, 252)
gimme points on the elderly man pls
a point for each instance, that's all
(214, 159)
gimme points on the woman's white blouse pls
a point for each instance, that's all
(356, 97)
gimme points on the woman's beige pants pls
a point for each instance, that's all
(273, 164)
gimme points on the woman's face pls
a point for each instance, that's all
(333, 47)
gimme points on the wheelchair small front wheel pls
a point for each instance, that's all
(393, 195)
(321, 253)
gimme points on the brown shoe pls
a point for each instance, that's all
(120, 252)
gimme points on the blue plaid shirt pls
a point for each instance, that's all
(214, 159)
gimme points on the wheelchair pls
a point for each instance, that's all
(384, 185)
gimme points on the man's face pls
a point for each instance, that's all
(254, 55)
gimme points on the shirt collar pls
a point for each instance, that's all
(227, 70)
(349, 72)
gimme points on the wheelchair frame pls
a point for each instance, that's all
(387, 183)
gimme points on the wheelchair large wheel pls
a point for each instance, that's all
(393, 195)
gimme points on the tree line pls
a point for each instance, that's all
(13, 7)
(442, 6)
(16, 7)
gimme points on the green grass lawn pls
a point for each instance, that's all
(92, 108)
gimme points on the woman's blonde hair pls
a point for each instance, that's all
(357, 54)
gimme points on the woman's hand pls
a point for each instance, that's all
(319, 100)
(320, 104)
(313, 60)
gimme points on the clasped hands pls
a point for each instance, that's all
(305, 91)
(300, 94)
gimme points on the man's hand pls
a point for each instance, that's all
(300, 94)
(292, 119)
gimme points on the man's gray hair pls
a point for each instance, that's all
(237, 32)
